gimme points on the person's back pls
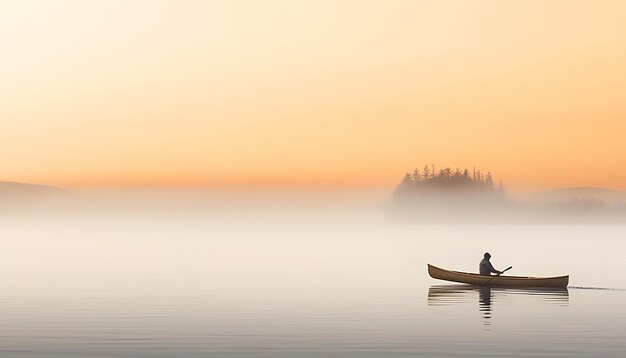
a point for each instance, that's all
(486, 268)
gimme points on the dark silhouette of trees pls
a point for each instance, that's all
(447, 193)
(447, 178)
(458, 195)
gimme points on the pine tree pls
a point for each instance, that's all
(416, 176)
(426, 172)
(404, 185)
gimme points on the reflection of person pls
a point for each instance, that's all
(486, 268)
(484, 303)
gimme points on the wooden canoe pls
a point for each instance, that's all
(498, 281)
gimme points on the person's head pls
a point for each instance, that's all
(487, 255)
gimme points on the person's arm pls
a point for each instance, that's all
(493, 270)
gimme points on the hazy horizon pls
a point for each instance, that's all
(321, 186)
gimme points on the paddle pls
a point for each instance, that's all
(501, 272)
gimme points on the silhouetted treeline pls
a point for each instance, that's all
(427, 179)
(460, 195)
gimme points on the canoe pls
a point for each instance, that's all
(498, 281)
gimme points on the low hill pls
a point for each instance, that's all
(21, 192)
(21, 201)
(608, 196)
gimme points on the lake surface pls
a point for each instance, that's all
(211, 286)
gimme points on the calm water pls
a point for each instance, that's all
(209, 287)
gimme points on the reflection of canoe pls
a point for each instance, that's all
(450, 294)
(515, 281)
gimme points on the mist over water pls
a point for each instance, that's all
(287, 273)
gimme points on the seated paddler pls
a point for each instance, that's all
(486, 268)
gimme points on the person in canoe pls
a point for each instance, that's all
(486, 268)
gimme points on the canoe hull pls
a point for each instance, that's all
(497, 281)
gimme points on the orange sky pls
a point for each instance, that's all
(311, 92)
